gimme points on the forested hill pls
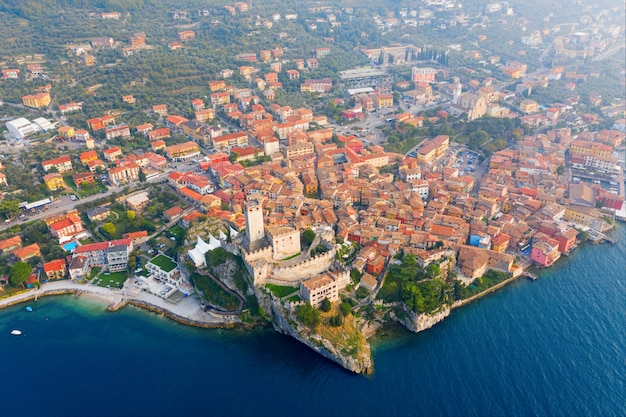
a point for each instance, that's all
(28, 9)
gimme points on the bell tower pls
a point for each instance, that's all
(254, 222)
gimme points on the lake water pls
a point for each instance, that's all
(554, 347)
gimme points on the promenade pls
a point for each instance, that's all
(188, 310)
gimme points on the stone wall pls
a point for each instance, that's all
(260, 254)
(305, 269)
(419, 322)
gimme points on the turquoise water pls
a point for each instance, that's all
(554, 347)
(70, 246)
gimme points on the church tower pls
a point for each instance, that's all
(254, 222)
(457, 92)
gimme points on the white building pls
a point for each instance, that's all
(165, 269)
(43, 124)
(21, 128)
(271, 146)
(420, 187)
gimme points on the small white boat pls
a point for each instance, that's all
(16, 332)
(29, 308)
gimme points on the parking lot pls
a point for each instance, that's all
(465, 162)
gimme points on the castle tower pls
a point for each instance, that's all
(254, 222)
(457, 92)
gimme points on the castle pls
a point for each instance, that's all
(273, 256)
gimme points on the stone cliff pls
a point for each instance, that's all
(419, 322)
(359, 362)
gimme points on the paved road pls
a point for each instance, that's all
(58, 206)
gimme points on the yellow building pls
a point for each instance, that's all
(66, 131)
(500, 243)
(584, 147)
(529, 106)
(37, 100)
(54, 181)
(585, 216)
(433, 148)
(299, 149)
(384, 100)
(183, 151)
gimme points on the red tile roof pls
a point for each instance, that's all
(55, 265)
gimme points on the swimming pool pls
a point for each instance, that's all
(70, 246)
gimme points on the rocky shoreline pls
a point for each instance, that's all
(279, 315)
(282, 323)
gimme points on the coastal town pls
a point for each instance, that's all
(395, 190)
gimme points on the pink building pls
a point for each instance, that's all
(545, 254)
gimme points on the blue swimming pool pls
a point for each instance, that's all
(70, 246)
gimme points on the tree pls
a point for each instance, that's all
(10, 207)
(37, 232)
(109, 229)
(308, 236)
(325, 307)
(142, 176)
(308, 315)
(336, 320)
(433, 271)
(130, 215)
(345, 308)
(361, 293)
(560, 170)
(233, 157)
(477, 138)
(55, 252)
(19, 273)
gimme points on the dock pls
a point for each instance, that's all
(599, 237)
(531, 276)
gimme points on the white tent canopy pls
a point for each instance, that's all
(197, 254)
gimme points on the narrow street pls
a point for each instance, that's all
(58, 206)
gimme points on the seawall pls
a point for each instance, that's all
(420, 322)
(116, 302)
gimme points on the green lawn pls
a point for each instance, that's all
(115, 279)
(164, 262)
(91, 189)
(281, 291)
(177, 231)
(294, 298)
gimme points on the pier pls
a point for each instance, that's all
(599, 237)
(530, 276)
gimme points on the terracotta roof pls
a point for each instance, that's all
(55, 265)
(12, 241)
(27, 251)
(135, 235)
(174, 211)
